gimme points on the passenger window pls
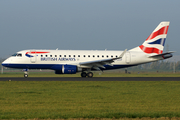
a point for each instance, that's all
(50, 55)
(55, 55)
(59, 55)
(64, 55)
(46, 55)
(88, 55)
(97, 55)
(107, 56)
(116, 56)
(93, 56)
(41, 55)
(102, 55)
(84, 56)
(69, 55)
(74, 56)
(78, 55)
(112, 56)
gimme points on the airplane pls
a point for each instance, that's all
(85, 61)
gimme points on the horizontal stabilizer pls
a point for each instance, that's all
(164, 55)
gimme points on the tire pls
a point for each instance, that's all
(83, 74)
(26, 75)
(90, 74)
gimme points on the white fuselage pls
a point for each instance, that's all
(46, 59)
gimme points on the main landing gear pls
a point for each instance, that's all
(89, 74)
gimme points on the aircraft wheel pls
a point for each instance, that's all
(90, 74)
(26, 75)
(83, 74)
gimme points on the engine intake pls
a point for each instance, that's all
(69, 69)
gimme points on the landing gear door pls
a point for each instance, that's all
(33, 56)
(128, 57)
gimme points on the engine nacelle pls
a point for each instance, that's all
(65, 69)
(69, 69)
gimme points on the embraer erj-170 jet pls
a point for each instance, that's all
(85, 61)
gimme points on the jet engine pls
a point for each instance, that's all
(65, 69)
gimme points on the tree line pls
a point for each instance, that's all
(158, 66)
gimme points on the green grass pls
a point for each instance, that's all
(87, 99)
(96, 74)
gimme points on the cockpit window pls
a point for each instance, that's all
(14, 54)
(17, 54)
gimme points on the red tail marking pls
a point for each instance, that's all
(150, 50)
(161, 31)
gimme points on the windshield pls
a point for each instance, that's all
(17, 54)
(14, 54)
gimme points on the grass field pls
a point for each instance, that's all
(87, 99)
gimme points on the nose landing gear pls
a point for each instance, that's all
(25, 73)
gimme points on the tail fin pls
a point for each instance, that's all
(156, 40)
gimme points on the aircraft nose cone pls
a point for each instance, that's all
(5, 63)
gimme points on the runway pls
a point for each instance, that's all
(91, 79)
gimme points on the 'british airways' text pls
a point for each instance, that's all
(57, 59)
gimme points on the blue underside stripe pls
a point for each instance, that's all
(50, 66)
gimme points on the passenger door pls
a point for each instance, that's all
(34, 57)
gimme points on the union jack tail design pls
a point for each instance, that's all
(156, 40)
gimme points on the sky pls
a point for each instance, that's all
(85, 24)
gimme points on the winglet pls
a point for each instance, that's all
(122, 54)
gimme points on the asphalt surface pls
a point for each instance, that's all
(92, 79)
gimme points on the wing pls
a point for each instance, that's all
(97, 64)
